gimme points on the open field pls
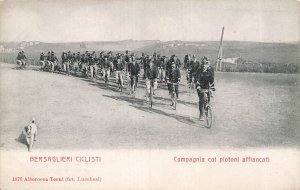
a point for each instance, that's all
(250, 109)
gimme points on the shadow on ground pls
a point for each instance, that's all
(22, 139)
(142, 105)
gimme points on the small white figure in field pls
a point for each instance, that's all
(31, 134)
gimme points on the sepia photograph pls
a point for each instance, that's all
(162, 90)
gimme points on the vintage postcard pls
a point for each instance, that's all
(141, 94)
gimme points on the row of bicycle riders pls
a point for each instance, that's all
(156, 68)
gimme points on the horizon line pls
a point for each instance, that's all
(163, 41)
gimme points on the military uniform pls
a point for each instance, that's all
(204, 77)
(31, 134)
(173, 76)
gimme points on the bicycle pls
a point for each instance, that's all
(21, 64)
(208, 111)
(173, 95)
(151, 92)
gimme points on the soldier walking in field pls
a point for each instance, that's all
(31, 134)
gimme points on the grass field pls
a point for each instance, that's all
(250, 109)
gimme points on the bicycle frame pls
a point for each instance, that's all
(207, 107)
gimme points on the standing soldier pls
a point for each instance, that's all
(31, 134)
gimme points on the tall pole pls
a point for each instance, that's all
(220, 54)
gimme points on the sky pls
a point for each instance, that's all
(166, 20)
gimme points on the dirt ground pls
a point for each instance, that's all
(78, 113)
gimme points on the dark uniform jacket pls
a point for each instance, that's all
(173, 75)
(134, 68)
(82, 59)
(193, 67)
(106, 64)
(119, 66)
(152, 72)
(162, 64)
(53, 58)
(21, 56)
(205, 77)
(169, 66)
(178, 63)
(42, 57)
(64, 58)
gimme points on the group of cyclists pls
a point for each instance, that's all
(157, 68)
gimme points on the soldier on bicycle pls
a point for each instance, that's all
(151, 78)
(21, 59)
(119, 73)
(173, 79)
(134, 72)
(204, 77)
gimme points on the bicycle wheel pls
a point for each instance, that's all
(209, 116)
